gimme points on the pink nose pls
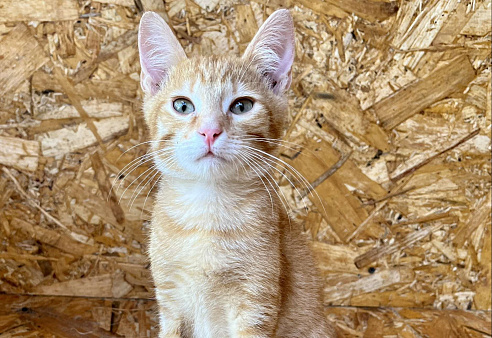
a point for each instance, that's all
(210, 134)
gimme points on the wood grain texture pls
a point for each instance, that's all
(394, 103)
(368, 9)
(20, 56)
(449, 78)
(32, 10)
(18, 153)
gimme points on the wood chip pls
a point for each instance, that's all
(345, 115)
(419, 160)
(117, 88)
(103, 286)
(449, 78)
(480, 215)
(367, 284)
(32, 10)
(105, 187)
(20, 56)
(481, 21)
(375, 254)
(127, 3)
(62, 141)
(19, 154)
(53, 238)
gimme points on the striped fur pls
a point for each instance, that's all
(226, 259)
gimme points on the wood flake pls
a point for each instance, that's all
(20, 56)
(19, 154)
(33, 10)
(481, 21)
(449, 78)
(63, 141)
(367, 284)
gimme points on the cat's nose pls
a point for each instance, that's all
(210, 135)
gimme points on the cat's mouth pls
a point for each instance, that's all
(210, 155)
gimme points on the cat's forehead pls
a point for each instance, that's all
(212, 72)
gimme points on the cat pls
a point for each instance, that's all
(226, 259)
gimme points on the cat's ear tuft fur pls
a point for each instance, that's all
(272, 49)
(159, 51)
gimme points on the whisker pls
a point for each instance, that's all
(295, 173)
(244, 158)
(140, 144)
(136, 163)
(143, 187)
(122, 171)
(148, 194)
(135, 191)
(133, 165)
(263, 159)
(280, 142)
(241, 163)
(146, 155)
(298, 176)
(276, 190)
(154, 167)
(123, 194)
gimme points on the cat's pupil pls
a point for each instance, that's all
(241, 106)
(183, 106)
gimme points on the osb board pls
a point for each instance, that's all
(83, 317)
(390, 113)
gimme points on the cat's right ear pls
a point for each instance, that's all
(159, 51)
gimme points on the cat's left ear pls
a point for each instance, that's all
(159, 51)
(272, 49)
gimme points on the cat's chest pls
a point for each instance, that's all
(207, 208)
(205, 231)
(191, 254)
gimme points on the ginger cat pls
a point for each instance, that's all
(226, 259)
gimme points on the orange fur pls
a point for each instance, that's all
(226, 259)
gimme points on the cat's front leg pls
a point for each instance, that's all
(170, 320)
(250, 319)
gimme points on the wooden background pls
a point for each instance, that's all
(391, 121)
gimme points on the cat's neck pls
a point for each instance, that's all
(212, 205)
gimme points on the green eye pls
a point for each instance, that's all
(183, 106)
(241, 106)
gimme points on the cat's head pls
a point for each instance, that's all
(211, 117)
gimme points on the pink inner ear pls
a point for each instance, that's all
(283, 76)
(159, 51)
(273, 48)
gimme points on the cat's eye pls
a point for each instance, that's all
(241, 106)
(183, 106)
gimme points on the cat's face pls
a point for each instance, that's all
(211, 117)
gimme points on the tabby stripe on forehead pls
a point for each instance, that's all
(193, 82)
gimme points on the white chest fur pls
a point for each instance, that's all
(206, 206)
(202, 228)
(204, 239)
